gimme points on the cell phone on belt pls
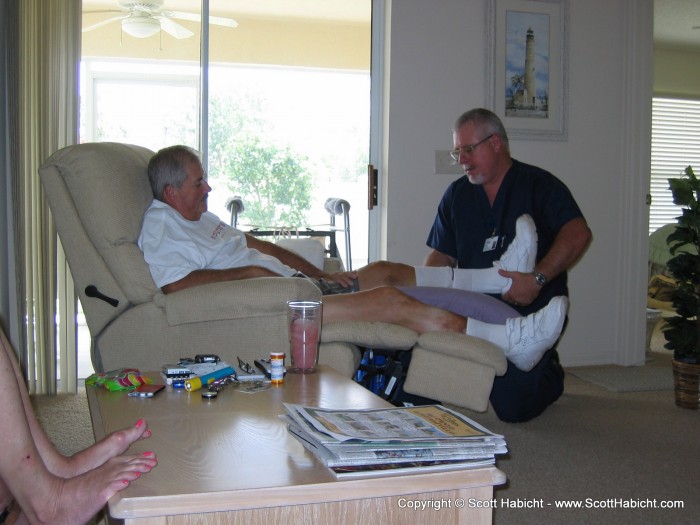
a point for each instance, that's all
(146, 390)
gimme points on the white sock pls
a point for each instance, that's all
(434, 276)
(485, 280)
(495, 333)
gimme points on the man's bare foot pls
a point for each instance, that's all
(112, 445)
(76, 500)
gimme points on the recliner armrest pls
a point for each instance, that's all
(261, 297)
(465, 347)
(395, 337)
(372, 335)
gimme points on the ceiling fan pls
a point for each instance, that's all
(147, 17)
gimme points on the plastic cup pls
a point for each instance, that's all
(304, 330)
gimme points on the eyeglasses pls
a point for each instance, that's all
(245, 366)
(467, 150)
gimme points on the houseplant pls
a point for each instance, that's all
(682, 332)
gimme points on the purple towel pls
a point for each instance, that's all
(468, 304)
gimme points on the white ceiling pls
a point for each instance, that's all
(673, 24)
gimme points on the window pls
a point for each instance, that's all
(675, 144)
(315, 118)
(133, 101)
(289, 83)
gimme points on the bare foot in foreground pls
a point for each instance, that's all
(76, 500)
(112, 445)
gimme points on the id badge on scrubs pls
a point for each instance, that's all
(491, 243)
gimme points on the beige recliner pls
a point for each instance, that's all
(98, 193)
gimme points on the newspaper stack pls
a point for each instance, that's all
(358, 443)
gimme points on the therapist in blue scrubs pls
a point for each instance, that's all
(475, 223)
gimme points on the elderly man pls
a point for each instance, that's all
(185, 245)
(477, 217)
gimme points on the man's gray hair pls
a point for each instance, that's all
(168, 168)
(485, 119)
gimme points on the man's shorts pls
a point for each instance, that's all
(331, 287)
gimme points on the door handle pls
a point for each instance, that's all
(372, 189)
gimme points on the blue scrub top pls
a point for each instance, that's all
(465, 220)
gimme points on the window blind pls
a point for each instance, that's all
(675, 144)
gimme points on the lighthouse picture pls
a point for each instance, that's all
(527, 60)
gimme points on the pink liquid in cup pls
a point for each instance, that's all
(304, 343)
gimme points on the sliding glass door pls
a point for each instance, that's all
(277, 98)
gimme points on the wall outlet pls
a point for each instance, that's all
(444, 165)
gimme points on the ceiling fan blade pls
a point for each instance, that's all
(174, 29)
(101, 11)
(217, 20)
(221, 21)
(103, 23)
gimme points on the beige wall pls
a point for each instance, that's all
(438, 61)
(676, 73)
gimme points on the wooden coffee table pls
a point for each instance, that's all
(231, 460)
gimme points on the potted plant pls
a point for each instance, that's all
(682, 331)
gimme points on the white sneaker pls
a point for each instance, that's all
(530, 337)
(521, 254)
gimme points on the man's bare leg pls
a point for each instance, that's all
(43, 496)
(389, 305)
(385, 273)
(519, 257)
(522, 339)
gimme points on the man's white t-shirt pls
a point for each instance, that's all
(174, 247)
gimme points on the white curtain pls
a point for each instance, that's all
(43, 57)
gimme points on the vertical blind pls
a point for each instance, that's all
(675, 144)
(44, 107)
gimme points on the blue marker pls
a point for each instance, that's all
(195, 383)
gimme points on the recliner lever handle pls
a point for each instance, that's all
(92, 291)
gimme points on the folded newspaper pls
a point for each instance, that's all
(393, 440)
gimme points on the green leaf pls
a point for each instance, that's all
(682, 332)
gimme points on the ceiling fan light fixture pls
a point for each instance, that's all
(140, 26)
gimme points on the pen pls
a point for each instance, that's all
(195, 383)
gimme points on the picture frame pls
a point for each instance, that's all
(526, 67)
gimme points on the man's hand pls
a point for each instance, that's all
(569, 244)
(524, 289)
(344, 279)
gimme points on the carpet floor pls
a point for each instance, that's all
(621, 456)
(654, 375)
